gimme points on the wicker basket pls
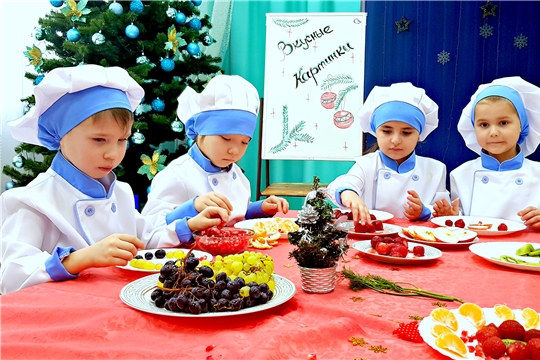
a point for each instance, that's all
(319, 281)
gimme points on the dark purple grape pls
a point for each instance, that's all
(236, 304)
(210, 283)
(253, 283)
(226, 294)
(138, 257)
(249, 302)
(213, 305)
(197, 292)
(263, 287)
(222, 304)
(236, 296)
(191, 263)
(204, 305)
(240, 282)
(232, 286)
(186, 283)
(263, 298)
(215, 294)
(194, 307)
(206, 271)
(170, 262)
(171, 303)
(168, 284)
(221, 277)
(161, 279)
(160, 253)
(254, 292)
(181, 301)
(148, 255)
(270, 294)
(220, 285)
(156, 293)
(160, 301)
(207, 294)
(166, 270)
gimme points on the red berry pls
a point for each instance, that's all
(486, 332)
(502, 227)
(418, 251)
(382, 248)
(517, 351)
(533, 347)
(511, 329)
(372, 217)
(470, 348)
(494, 347)
(460, 223)
(531, 334)
(399, 250)
(449, 223)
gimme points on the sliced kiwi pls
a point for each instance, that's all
(534, 253)
(525, 250)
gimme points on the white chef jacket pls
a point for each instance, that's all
(382, 184)
(63, 210)
(176, 187)
(488, 188)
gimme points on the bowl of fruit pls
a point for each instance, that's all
(223, 241)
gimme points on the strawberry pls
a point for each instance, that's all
(378, 225)
(494, 347)
(399, 250)
(460, 223)
(408, 332)
(372, 217)
(517, 351)
(502, 227)
(418, 251)
(531, 334)
(486, 332)
(533, 348)
(511, 329)
(382, 248)
(449, 223)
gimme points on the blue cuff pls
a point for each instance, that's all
(338, 195)
(186, 209)
(185, 236)
(425, 215)
(54, 266)
(254, 211)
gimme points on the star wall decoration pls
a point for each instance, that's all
(403, 24)
(488, 9)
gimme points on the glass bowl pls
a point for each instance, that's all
(225, 241)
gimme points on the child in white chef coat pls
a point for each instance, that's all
(502, 124)
(76, 215)
(393, 178)
(221, 120)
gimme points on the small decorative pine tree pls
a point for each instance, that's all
(157, 42)
(318, 243)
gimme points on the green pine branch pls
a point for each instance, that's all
(336, 80)
(342, 95)
(294, 134)
(290, 23)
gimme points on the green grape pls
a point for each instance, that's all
(251, 260)
(244, 291)
(236, 267)
(251, 277)
(217, 265)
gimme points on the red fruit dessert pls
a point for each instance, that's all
(531, 334)
(399, 250)
(370, 228)
(372, 217)
(375, 240)
(460, 223)
(486, 332)
(449, 223)
(383, 248)
(502, 227)
(418, 251)
(494, 347)
(517, 351)
(378, 225)
(533, 347)
(511, 329)
(360, 228)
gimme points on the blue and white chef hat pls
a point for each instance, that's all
(399, 102)
(67, 96)
(526, 100)
(229, 105)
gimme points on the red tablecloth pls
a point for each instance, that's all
(85, 318)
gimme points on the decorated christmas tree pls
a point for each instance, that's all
(318, 243)
(158, 42)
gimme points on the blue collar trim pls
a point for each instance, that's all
(82, 182)
(203, 161)
(405, 166)
(490, 163)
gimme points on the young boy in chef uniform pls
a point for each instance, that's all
(394, 178)
(76, 215)
(502, 124)
(221, 120)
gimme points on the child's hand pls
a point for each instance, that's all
(212, 199)
(358, 208)
(274, 204)
(443, 208)
(531, 217)
(211, 216)
(115, 249)
(413, 207)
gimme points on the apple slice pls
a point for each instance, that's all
(408, 231)
(424, 233)
(445, 235)
(465, 235)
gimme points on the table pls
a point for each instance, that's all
(85, 318)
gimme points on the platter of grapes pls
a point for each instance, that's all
(483, 226)
(396, 250)
(152, 260)
(230, 285)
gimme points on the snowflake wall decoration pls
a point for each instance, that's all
(486, 31)
(443, 57)
(520, 41)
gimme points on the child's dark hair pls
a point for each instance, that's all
(122, 116)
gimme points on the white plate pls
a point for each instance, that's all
(196, 253)
(430, 253)
(348, 226)
(137, 293)
(427, 323)
(489, 250)
(440, 244)
(513, 226)
(250, 224)
(380, 215)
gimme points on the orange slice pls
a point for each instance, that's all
(452, 343)
(445, 317)
(504, 312)
(473, 313)
(439, 329)
(531, 317)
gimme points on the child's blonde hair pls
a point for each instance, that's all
(123, 117)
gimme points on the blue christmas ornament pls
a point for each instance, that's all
(132, 31)
(177, 126)
(193, 48)
(38, 79)
(136, 6)
(208, 40)
(196, 2)
(197, 55)
(138, 138)
(190, 142)
(10, 185)
(116, 8)
(39, 35)
(148, 189)
(18, 161)
(180, 18)
(158, 105)
(167, 64)
(57, 3)
(73, 35)
(98, 38)
(195, 24)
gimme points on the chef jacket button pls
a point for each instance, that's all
(234, 175)
(519, 181)
(89, 211)
(415, 177)
(113, 207)
(387, 176)
(215, 182)
(485, 179)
